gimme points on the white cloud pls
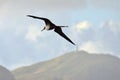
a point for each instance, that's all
(93, 47)
(33, 34)
(89, 47)
(109, 35)
(103, 39)
(20, 7)
(46, 5)
(114, 26)
(106, 4)
(66, 4)
(83, 26)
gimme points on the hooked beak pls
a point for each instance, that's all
(43, 29)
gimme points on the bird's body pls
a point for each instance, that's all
(47, 27)
(51, 26)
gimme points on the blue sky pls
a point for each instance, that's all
(93, 25)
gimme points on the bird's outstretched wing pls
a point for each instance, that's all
(47, 21)
(59, 31)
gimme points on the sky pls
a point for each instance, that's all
(94, 25)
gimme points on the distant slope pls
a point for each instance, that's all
(5, 74)
(73, 66)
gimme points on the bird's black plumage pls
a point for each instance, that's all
(51, 25)
(47, 21)
(59, 31)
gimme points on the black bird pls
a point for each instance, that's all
(50, 26)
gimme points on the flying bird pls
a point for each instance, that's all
(51, 26)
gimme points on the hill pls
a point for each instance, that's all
(73, 66)
(5, 74)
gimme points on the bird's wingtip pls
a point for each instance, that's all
(28, 15)
(74, 44)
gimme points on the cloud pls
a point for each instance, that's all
(83, 26)
(63, 4)
(89, 47)
(92, 47)
(109, 34)
(83, 32)
(15, 7)
(33, 34)
(103, 38)
(106, 4)
(44, 5)
(113, 26)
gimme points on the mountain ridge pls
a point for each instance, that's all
(5, 74)
(71, 66)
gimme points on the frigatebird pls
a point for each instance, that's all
(51, 26)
